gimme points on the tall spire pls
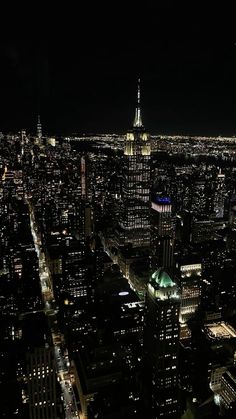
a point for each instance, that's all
(39, 128)
(138, 116)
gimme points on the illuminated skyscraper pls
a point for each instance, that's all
(163, 233)
(190, 276)
(161, 341)
(134, 223)
(219, 198)
(39, 129)
(86, 213)
(38, 367)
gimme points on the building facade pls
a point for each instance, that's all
(162, 233)
(134, 222)
(161, 342)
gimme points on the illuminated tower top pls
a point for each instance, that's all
(137, 140)
(39, 128)
(138, 117)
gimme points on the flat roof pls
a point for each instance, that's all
(185, 332)
(220, 330)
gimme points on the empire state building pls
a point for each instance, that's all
(134, 224)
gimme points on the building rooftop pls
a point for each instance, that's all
(185, 332)
(163, 200)
(220, 330)
(161, 278)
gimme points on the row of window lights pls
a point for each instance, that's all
(43, 403)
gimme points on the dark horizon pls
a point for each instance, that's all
(80, 75)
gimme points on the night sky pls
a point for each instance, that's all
(79, 68)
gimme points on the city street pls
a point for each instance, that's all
(69, 400)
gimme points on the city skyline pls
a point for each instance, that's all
(117, 275)
(118, 212)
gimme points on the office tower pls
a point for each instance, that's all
(161, 340)
(85, 207)
(190, 276)
(134, 223)
(39, 129)
(219, 196)
(38, 367)
(198, 201)
(227, 395)
(86, 211)
(186, 227)
(162, 232)
(74, 269)
(8, 344)
(107, 361)
(83, 178)
(232, 212)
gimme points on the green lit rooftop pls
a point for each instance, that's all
(162, 279)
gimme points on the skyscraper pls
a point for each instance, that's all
(219, 197)
(189, 282)
(39, 367)
(134, 223)
(232, 212)
(161, 340)
(163, 233)
(39, 129)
